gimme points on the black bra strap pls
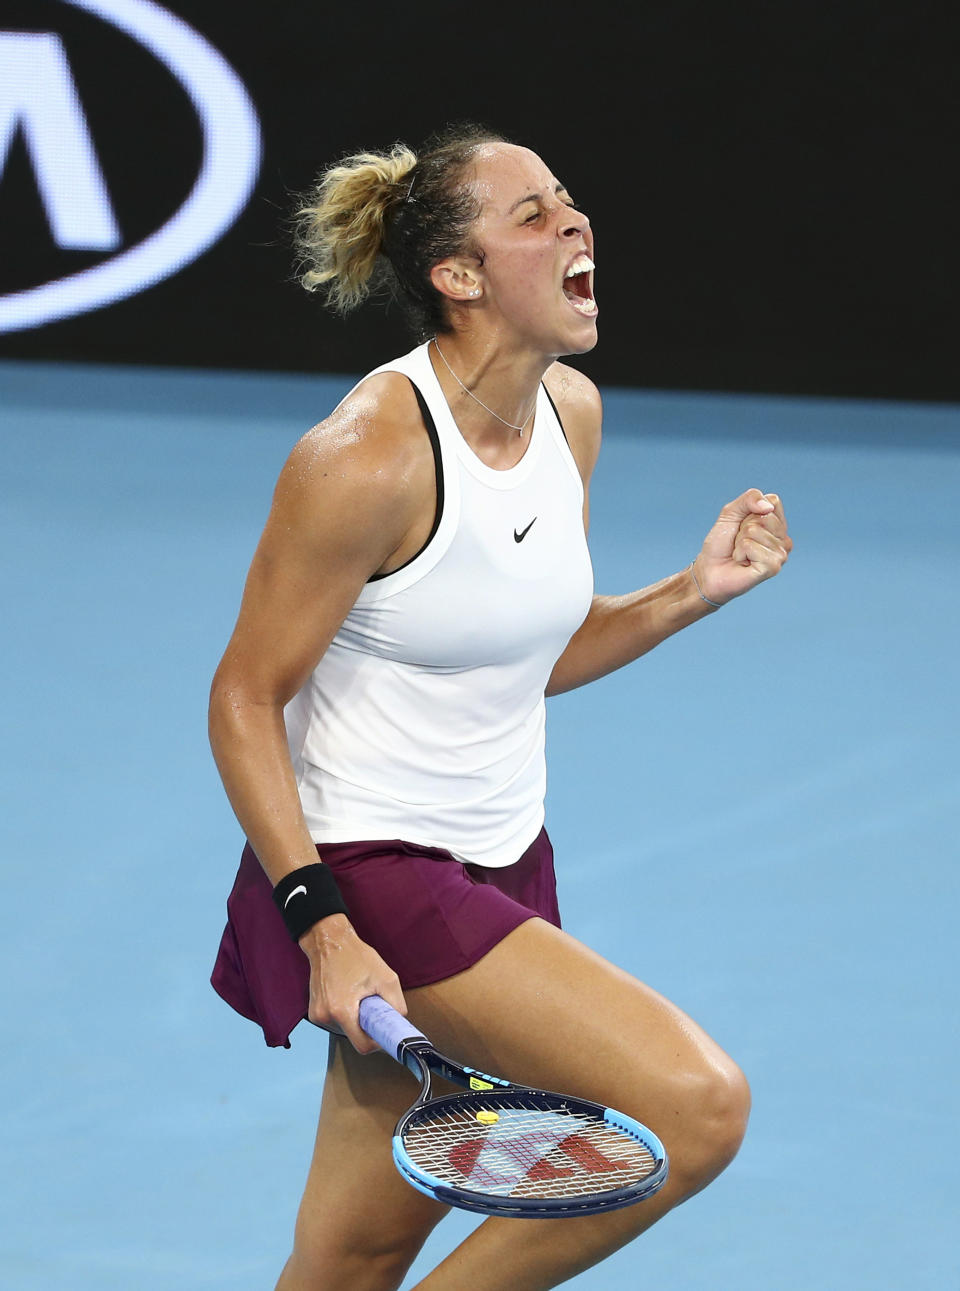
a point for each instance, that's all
(431, 430)
(555, 413)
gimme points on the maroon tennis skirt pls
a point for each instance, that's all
(428, 915)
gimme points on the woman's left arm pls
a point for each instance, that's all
(748, 544)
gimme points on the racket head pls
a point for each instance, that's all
(527, 1153)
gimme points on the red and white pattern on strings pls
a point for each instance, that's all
(527, 1152)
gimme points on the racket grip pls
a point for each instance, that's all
(385, 1025)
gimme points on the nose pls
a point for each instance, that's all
(573, 224)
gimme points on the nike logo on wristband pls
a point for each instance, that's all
(519, 537)
(295, 892)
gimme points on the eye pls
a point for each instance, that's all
(535, 215)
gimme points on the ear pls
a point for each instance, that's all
(457, 278)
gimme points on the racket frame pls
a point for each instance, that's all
(419, 1056)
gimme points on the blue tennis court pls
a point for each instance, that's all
(759, 819)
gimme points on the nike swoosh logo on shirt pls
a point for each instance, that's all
(294, 893)
(519, 537)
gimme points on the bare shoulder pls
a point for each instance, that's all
(371, 442)
(581, 411)
(373, 431)
(366, 467)
(569, 386)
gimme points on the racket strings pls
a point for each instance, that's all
(526, 1150)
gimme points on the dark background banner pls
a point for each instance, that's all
(768, 182)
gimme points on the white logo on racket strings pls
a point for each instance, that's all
(294, 893)
(552, 1150)
(506, 1161)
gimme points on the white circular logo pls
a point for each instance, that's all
(36, 95)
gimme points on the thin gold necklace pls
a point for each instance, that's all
(519, 428)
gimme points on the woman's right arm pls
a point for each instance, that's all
(352, 492)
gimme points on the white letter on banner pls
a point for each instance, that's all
(39, 97)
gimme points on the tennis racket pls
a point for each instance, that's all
(506, 1149)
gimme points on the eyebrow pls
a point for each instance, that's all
(535, 197)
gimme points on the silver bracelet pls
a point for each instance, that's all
(717, 605)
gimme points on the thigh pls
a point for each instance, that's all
(357, 1211)
(544, 1009)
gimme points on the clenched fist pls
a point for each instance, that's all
(748, 544)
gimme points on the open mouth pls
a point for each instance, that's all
(578, 286)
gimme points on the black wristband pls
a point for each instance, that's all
(307, 895)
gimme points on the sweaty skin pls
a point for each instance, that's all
(357, 497)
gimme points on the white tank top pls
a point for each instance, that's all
(425, 718)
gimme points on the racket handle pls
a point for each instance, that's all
(385, 1025)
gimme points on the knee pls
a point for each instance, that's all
(331, 1255)
(710, 1114)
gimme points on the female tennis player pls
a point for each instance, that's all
(422, 583)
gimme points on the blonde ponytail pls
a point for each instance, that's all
(340, 226)
(385, 219)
